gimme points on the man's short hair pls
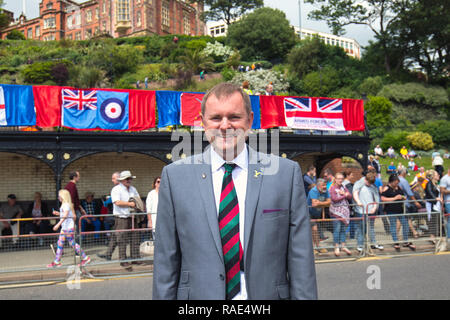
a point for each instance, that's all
(370, 177)
(225, 90)
(310, 168)
(11, 196)
(401, 171)
(320, 181)
(73, 175)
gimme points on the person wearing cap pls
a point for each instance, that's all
(10, 210)
(120, 196)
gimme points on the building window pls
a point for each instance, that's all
(104, 26)
(30, 33)
(78, 19)
(70, 22)
(165, 14)
(97, 31)
(97, 13)
(69, 37)
(104, 7)
(123, 10)
(37, 31)
(49, 23)
(186, 24)
(49, 5)
(89, 15)
(88, 34)
(138, 19)
(78, 35)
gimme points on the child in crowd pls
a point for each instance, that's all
(67, 224)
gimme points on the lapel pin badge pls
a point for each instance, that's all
(204, 175)
(257, 173)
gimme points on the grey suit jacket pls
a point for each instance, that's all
(278, 250)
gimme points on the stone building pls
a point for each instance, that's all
(67, 19)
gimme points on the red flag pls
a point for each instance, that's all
(47, 101)
(141, 109)
(272, 111)
(353, 114)
(191, 108)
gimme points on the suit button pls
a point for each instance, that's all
(222, 277)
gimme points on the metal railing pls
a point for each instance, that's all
(33, 251)
(379, 233)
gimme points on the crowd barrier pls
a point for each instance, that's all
(364, 235)
(382, 234)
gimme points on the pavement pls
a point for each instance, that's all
(31, 265)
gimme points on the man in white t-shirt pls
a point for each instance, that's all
(120, 196)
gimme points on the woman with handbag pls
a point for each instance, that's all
(340, 211)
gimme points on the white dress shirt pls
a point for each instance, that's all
(239, 175)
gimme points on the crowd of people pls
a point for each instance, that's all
(88, 213)
(348, 204)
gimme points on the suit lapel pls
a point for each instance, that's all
(204, 180)
(254, 182)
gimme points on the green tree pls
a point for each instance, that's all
(378, 15)
(321, 83)
(4, 18)
(379, 110)
(423, 29)
(228, 10)
(264, 34)
(195, 61)
(15, 35)
(439, 130)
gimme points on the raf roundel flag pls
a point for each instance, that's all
(112, 110)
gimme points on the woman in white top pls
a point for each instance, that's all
(151, 204)
(67, 224)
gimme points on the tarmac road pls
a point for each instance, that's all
(413, 277)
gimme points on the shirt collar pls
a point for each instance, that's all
(241, 160)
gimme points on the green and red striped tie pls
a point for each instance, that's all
(229, 233)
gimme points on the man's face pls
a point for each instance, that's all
(127, 182)
(114, 179)
(11, 202)
(226, 124)
(77, 177)
(322, 187)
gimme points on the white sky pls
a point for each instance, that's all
(361, 34)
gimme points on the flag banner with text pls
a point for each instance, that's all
(312, 113)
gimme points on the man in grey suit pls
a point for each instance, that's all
(228, 226)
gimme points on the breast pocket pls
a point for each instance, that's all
(269, 214)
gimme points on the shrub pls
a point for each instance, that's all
(439, 131)
(416, 94)
(38, 72)
(396, 139)
(371, 86)
(228, 74)
(421, 141)
(379, 111)
(259, 79)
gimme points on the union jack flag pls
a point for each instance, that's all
(329, 105)
(79, 99)
(297, 104)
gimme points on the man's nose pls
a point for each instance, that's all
(225, 123)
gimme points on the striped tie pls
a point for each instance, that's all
(229, 233)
